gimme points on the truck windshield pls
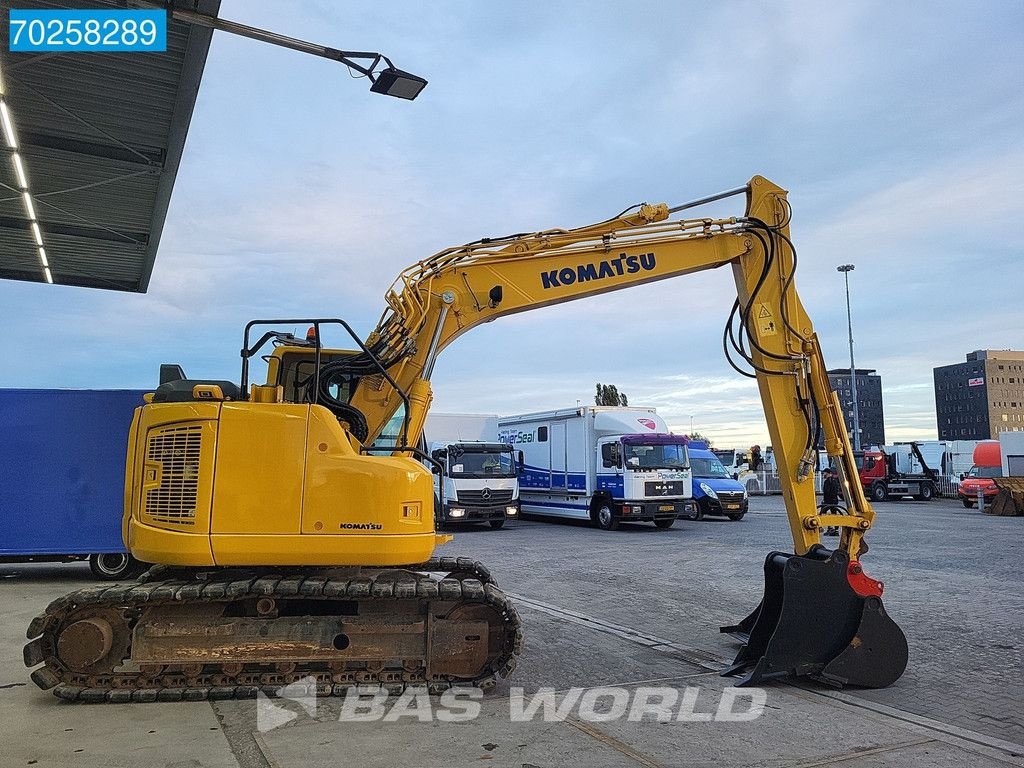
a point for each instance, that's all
(708, 468)
(985, 472)
(476, 463)
(656, 456)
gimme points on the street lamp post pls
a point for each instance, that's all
(846, 269)
(389, 80)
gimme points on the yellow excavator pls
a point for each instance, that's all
(291, 523)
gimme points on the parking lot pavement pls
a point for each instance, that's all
(39, 730)
(953, 583)
(634, 608)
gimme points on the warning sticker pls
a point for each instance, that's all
(765, 321)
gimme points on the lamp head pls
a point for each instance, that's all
(398, 83)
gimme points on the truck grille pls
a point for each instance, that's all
(730, 497)
(494, 496)
(663, 488)
(177, 451)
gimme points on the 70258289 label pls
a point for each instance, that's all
(71, 31)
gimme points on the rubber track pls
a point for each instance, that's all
(467, 581)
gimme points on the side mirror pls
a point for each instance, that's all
(963, 476)
(735, 475)
(522, 461)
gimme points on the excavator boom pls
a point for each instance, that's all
(769, 337)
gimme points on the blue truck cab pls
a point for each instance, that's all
(715, 491)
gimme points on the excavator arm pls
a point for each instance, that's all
(820, 614)
(436, 300)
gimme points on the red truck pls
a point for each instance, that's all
(882, 480)
(988, 464)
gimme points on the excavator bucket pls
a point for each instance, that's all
(820, 617)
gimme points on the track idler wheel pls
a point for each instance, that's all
(821, 617)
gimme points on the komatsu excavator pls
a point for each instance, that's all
(291, 522)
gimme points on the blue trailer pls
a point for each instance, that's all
(62, 459)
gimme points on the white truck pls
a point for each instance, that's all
(601, 463)
(476, 478)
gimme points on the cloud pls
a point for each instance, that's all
(301, 194)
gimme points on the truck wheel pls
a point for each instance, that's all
(666, 523)
(698, 513)
(604, 517)
(878, 492)
(968, 503)
(114, 566)
(496, 524)
(927, 492)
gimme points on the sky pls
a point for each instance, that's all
(896, 128)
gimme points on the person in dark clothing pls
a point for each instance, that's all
(830, 493)
(756, 462)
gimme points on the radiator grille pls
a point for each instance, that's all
(663, 488)
(730, 497)
(494, 496)
(177, 451)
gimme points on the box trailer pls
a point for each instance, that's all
(62, 458)
(601, 463)
(466, 427)
(1011, 449)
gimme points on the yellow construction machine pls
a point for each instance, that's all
(292, 522)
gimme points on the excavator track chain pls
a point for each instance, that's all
(181, 634)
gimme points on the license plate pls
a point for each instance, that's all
(666, 508)
(732, 506)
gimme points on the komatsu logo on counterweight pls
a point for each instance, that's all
(584, 273)
(361, 526)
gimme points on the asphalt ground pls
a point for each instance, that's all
(634, 608)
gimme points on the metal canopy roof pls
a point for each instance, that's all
(100, 136)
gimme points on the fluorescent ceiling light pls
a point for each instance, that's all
(5, 117)
(20, 170)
